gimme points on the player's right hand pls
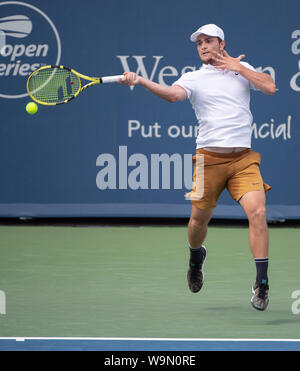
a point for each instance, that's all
(130, 78)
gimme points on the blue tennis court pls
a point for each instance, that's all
(135, 344)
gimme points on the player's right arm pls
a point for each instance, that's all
(171, 94)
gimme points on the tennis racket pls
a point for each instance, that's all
(52, 85)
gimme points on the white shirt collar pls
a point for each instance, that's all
(208, 67)
(212, 68)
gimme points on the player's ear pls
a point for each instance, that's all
(222, 45)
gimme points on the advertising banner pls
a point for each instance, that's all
(118, 151)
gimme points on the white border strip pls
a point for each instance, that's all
(147, 339)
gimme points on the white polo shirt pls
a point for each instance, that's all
(221, 100)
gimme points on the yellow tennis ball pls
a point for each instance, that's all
(31, 108)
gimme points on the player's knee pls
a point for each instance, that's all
(198, 222)
(257, 216)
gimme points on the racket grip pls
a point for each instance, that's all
(109, 79)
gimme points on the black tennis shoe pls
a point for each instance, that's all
(195, 274)
(260, 299)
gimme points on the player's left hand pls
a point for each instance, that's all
(226, 62)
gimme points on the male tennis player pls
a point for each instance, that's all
(220, 95)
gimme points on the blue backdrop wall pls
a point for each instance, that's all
(119, 151)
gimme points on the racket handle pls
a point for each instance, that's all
(109, 79)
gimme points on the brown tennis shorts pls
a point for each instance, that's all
(213, 172)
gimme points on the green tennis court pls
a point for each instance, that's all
(130, 281)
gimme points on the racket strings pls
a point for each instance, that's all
(53, 85)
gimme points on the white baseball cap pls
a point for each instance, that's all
(208, 29)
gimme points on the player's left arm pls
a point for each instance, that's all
(260, 80)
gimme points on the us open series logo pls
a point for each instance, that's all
(28, 40)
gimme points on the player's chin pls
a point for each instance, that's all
(205, 57)
(206, 60)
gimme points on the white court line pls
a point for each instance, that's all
(148, 339)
